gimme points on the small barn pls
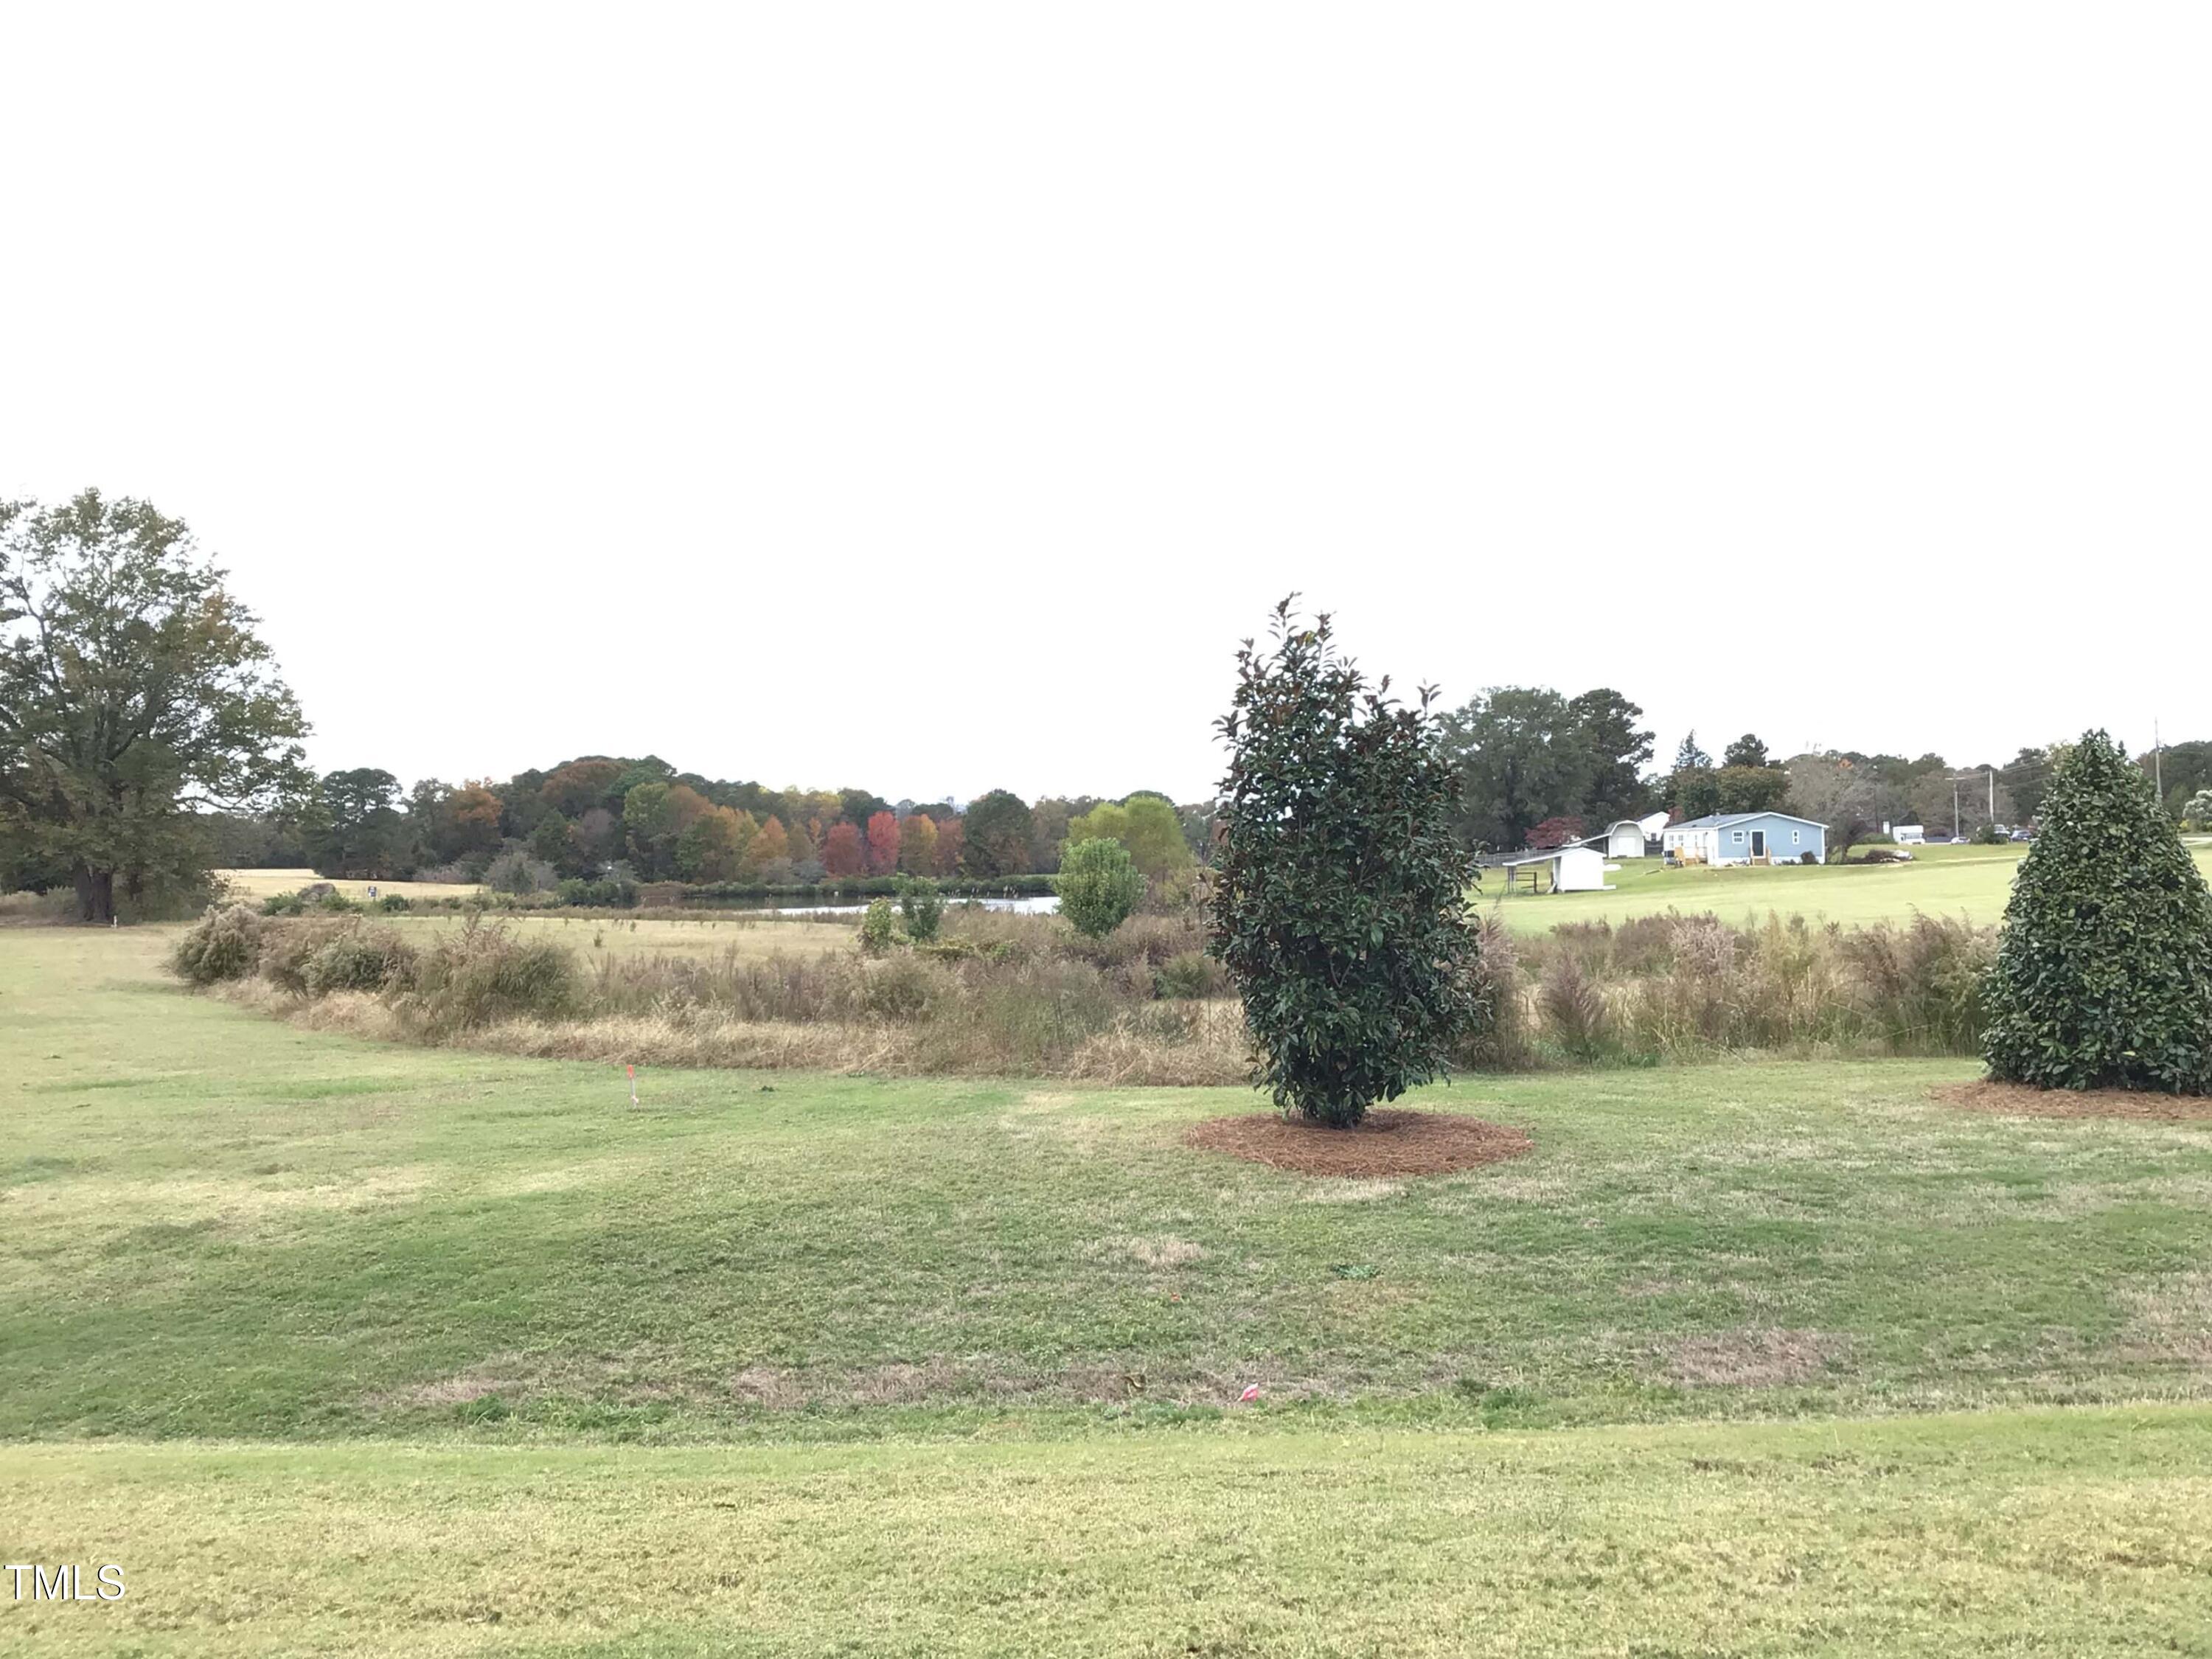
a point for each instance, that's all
(1631, 838)
(1552, 870)
(1745, 838)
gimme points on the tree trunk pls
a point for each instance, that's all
(95, 894)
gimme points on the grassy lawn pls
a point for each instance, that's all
(262, 884)
(1970, 881)
(790, 1361)
(2082, 1533)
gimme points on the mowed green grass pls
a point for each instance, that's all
(2069, 1533)
(215, 1225)
(334, 1345)
(1974, 882)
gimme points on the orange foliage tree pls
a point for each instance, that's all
(476, 812)
(917, 854)
(575, 788)
(770, 845)
(952, 836)
(840, 851)
(883, 843)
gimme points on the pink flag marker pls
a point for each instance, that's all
(632, 1070)
(1249, 1394)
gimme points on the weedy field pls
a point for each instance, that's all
(616, 933)
(341, 1346)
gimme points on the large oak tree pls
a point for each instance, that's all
(134, 695)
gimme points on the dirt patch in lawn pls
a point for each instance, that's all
(1387, 1144)
(2018, 1100)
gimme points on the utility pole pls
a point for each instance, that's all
(2158, 762)
(1993, 794)
(1954, 809)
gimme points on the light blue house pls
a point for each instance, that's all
(1745, 838)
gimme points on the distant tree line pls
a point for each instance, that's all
(1538, 768)
(146, 734)
(641, 819)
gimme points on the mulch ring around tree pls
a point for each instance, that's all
(1387, 1144)
(2018, 1100)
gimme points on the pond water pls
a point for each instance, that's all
(1046, 905)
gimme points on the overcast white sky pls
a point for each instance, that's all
(928, 398)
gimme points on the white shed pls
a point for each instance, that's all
(1553, 870)
(1629, 838)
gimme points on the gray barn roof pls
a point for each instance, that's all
(1722, 820)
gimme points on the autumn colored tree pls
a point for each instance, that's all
(1557, 832)
(476, 811)
(951, 842)
(883, 842)
(918, 844)
(575, 787)
(712, 846)
(842, 854)
(771, 844)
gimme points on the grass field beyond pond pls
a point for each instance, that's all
(259, 884)
(1970, 881)
(1974, 882)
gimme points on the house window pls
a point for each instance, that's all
(1795, 835)
(1738, 836)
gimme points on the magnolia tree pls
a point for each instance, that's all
(2104, 976)
(1340, 894)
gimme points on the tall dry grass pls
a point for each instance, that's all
(1000, 994)
(1676, 987)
